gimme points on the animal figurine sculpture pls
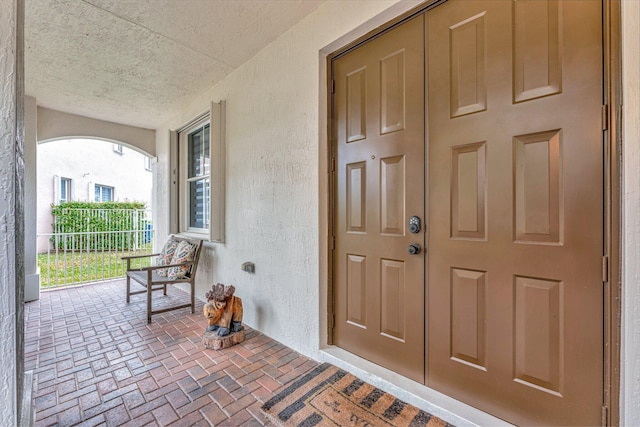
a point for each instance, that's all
(223, 310)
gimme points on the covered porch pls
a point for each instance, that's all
(95, 361)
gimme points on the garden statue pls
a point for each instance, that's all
(223, 311)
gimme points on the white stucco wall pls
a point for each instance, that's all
(630, 352)
(88, 162)
(8, 380)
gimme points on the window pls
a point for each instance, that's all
(198, 180)
(103, 193)
(117, 148)
(147, 163)
(65, 190)
(199, 191)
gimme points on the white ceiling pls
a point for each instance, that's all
(137, 61)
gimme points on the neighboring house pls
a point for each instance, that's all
(114, 173)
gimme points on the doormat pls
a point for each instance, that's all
(329, 396)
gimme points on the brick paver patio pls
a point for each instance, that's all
(97, 362)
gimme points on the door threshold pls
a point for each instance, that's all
(448, 409)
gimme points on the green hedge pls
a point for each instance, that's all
(100, 222)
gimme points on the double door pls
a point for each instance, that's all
(468, 205)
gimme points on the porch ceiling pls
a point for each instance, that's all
(137, 61)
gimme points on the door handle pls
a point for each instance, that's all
(414, 249)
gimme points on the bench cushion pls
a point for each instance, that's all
(185, 252)
(166, 255)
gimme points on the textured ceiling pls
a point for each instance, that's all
(137, 61)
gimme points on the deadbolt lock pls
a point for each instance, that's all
(414, 224)
(414, 249)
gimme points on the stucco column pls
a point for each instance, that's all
(10, 379)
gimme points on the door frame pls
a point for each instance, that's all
(612, 182)
(612, 98)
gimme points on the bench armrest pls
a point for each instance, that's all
(138, 256)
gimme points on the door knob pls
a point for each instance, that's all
(414, 249)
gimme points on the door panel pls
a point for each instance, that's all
(515, 208)
(379, 177)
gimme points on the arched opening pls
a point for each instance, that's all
(93, 205)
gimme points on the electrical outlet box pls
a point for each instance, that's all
(249, 267)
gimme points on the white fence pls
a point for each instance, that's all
(87, 245)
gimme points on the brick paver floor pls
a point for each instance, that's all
(97, 362)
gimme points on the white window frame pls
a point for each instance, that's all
(113, 192)
(179, 194)
(185, 180)
(147, 163)
(68, 183)
(118, 148)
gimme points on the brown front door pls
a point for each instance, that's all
(515, 242)
(379, 184)
(514, 205)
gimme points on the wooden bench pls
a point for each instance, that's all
(152, 281)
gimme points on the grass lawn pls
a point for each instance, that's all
(73, 267)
